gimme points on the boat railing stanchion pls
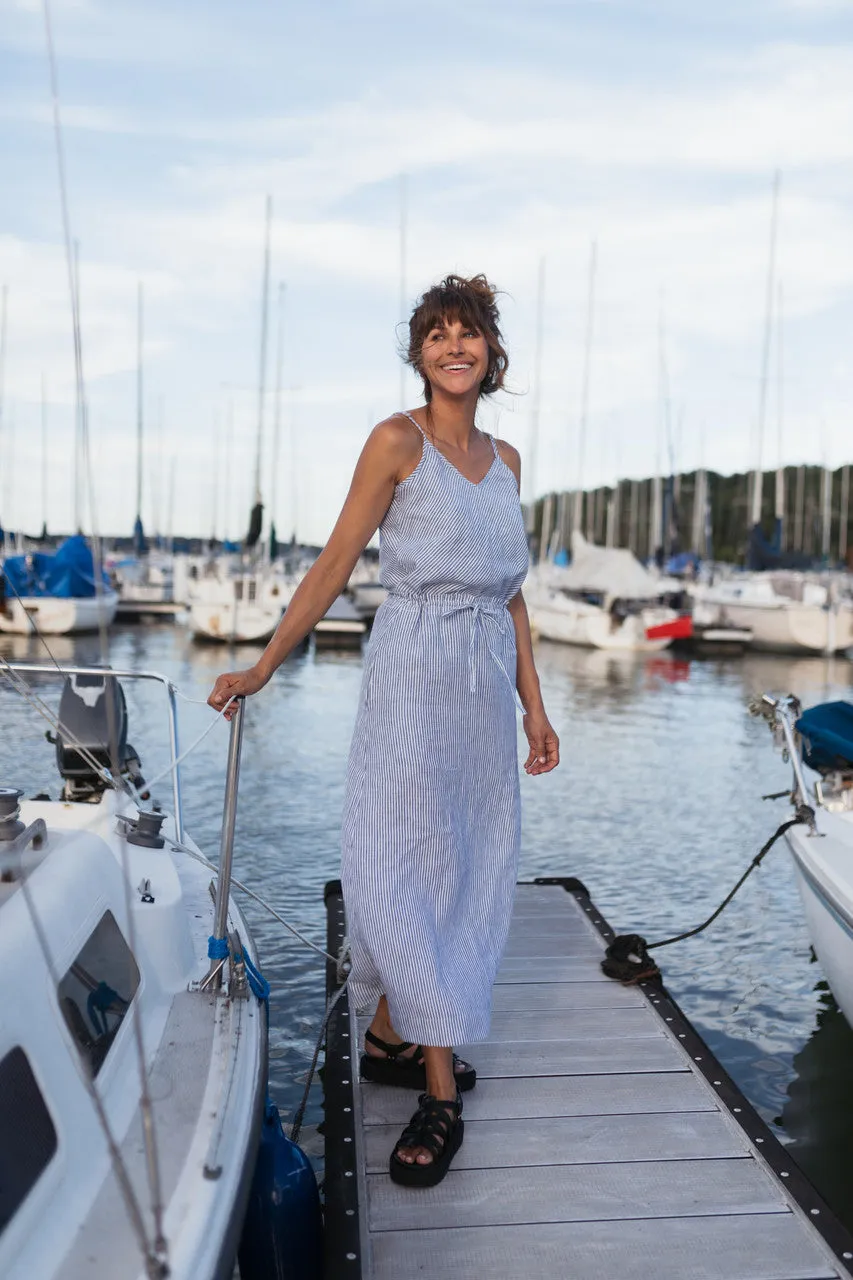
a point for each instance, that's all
(213, 978)
(782, 709)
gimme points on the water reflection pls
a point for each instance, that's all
(656, 807)
(817, 1116)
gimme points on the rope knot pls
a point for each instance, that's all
(627, 959)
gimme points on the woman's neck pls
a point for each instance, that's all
(451, 418)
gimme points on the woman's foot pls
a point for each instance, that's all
(398, 1062)
(429, 1142)
(389, 1060)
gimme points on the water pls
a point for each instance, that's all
(656, 807)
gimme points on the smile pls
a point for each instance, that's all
(456, 368)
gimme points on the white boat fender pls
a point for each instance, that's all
(282, 1233)
(627, 957)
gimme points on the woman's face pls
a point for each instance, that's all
(455, 357)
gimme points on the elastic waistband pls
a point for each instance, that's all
(450, 601)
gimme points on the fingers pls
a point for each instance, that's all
(226, 686)
(544, 753)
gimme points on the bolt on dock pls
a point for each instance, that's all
(602, 1139)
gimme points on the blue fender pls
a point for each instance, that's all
(282, 1232)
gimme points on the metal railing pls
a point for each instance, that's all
(226, 845)
(784, 710)
(43, 669)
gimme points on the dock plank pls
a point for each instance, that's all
(594, 1147)
(574, 1193)
(560, 1140)
(544, 1025)
(582, 968)
(575, 1057)
(747, 1247)
(519, 1098)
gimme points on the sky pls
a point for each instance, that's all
(510, 134)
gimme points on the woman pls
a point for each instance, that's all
(431, 818)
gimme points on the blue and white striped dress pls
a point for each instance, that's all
(431, 823)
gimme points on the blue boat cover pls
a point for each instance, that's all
(827, 733)
(68, 574)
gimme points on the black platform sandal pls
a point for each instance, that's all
(408, 1072)
(438, 1128)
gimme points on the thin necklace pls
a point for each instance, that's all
(434, 439)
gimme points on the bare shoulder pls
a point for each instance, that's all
(511, 457)
(397, 442)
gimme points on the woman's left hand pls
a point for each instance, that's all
(544, 744)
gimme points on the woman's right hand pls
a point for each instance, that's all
(235, 684)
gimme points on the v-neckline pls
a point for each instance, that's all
(475, 484)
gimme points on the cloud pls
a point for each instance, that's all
(508, 159)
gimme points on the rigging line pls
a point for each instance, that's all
(145, 1099)
(46, 712)
(193, 745)
(153, 1265)
(159, 1251)
(86, 755)
(296, 1127)
(211, 866)
(21, 687)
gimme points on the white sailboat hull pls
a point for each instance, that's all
(570, 621)
(239, 608)
(789, 627)
(205, 1055)
(232, 623)
(824, 868)
(57, 617)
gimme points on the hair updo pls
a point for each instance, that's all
(472, 302)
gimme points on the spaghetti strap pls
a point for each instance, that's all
(494, 445)
(403, 413)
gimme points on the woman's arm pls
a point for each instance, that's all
(389, 455)
(544, 743)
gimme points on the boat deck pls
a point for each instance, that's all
(602, 1139)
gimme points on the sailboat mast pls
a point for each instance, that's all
(262, 375)
(590, 306)
(44, 453)
(536, 402)
(4, 294)
(80, 421)
(780, 406)
(765, 359)
(404, 230)
(139, 401)
(826, 509)
(276, 433)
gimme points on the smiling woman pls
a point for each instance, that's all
(471, 304)
(431, 824)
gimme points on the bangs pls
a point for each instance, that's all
(449, 306)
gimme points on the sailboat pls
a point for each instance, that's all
(135, 1127)
(241, 601)
(819, 745)
(605, 599)
(55, 592)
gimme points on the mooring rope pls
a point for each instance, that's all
(627, 957)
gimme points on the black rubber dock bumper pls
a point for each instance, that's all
(619, 1065)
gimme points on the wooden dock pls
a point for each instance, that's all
(602, 1139)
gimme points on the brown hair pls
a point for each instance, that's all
(473, 303)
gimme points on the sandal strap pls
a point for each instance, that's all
(431, 1125)
(392, 1050)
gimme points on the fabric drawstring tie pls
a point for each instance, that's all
(477, 627)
